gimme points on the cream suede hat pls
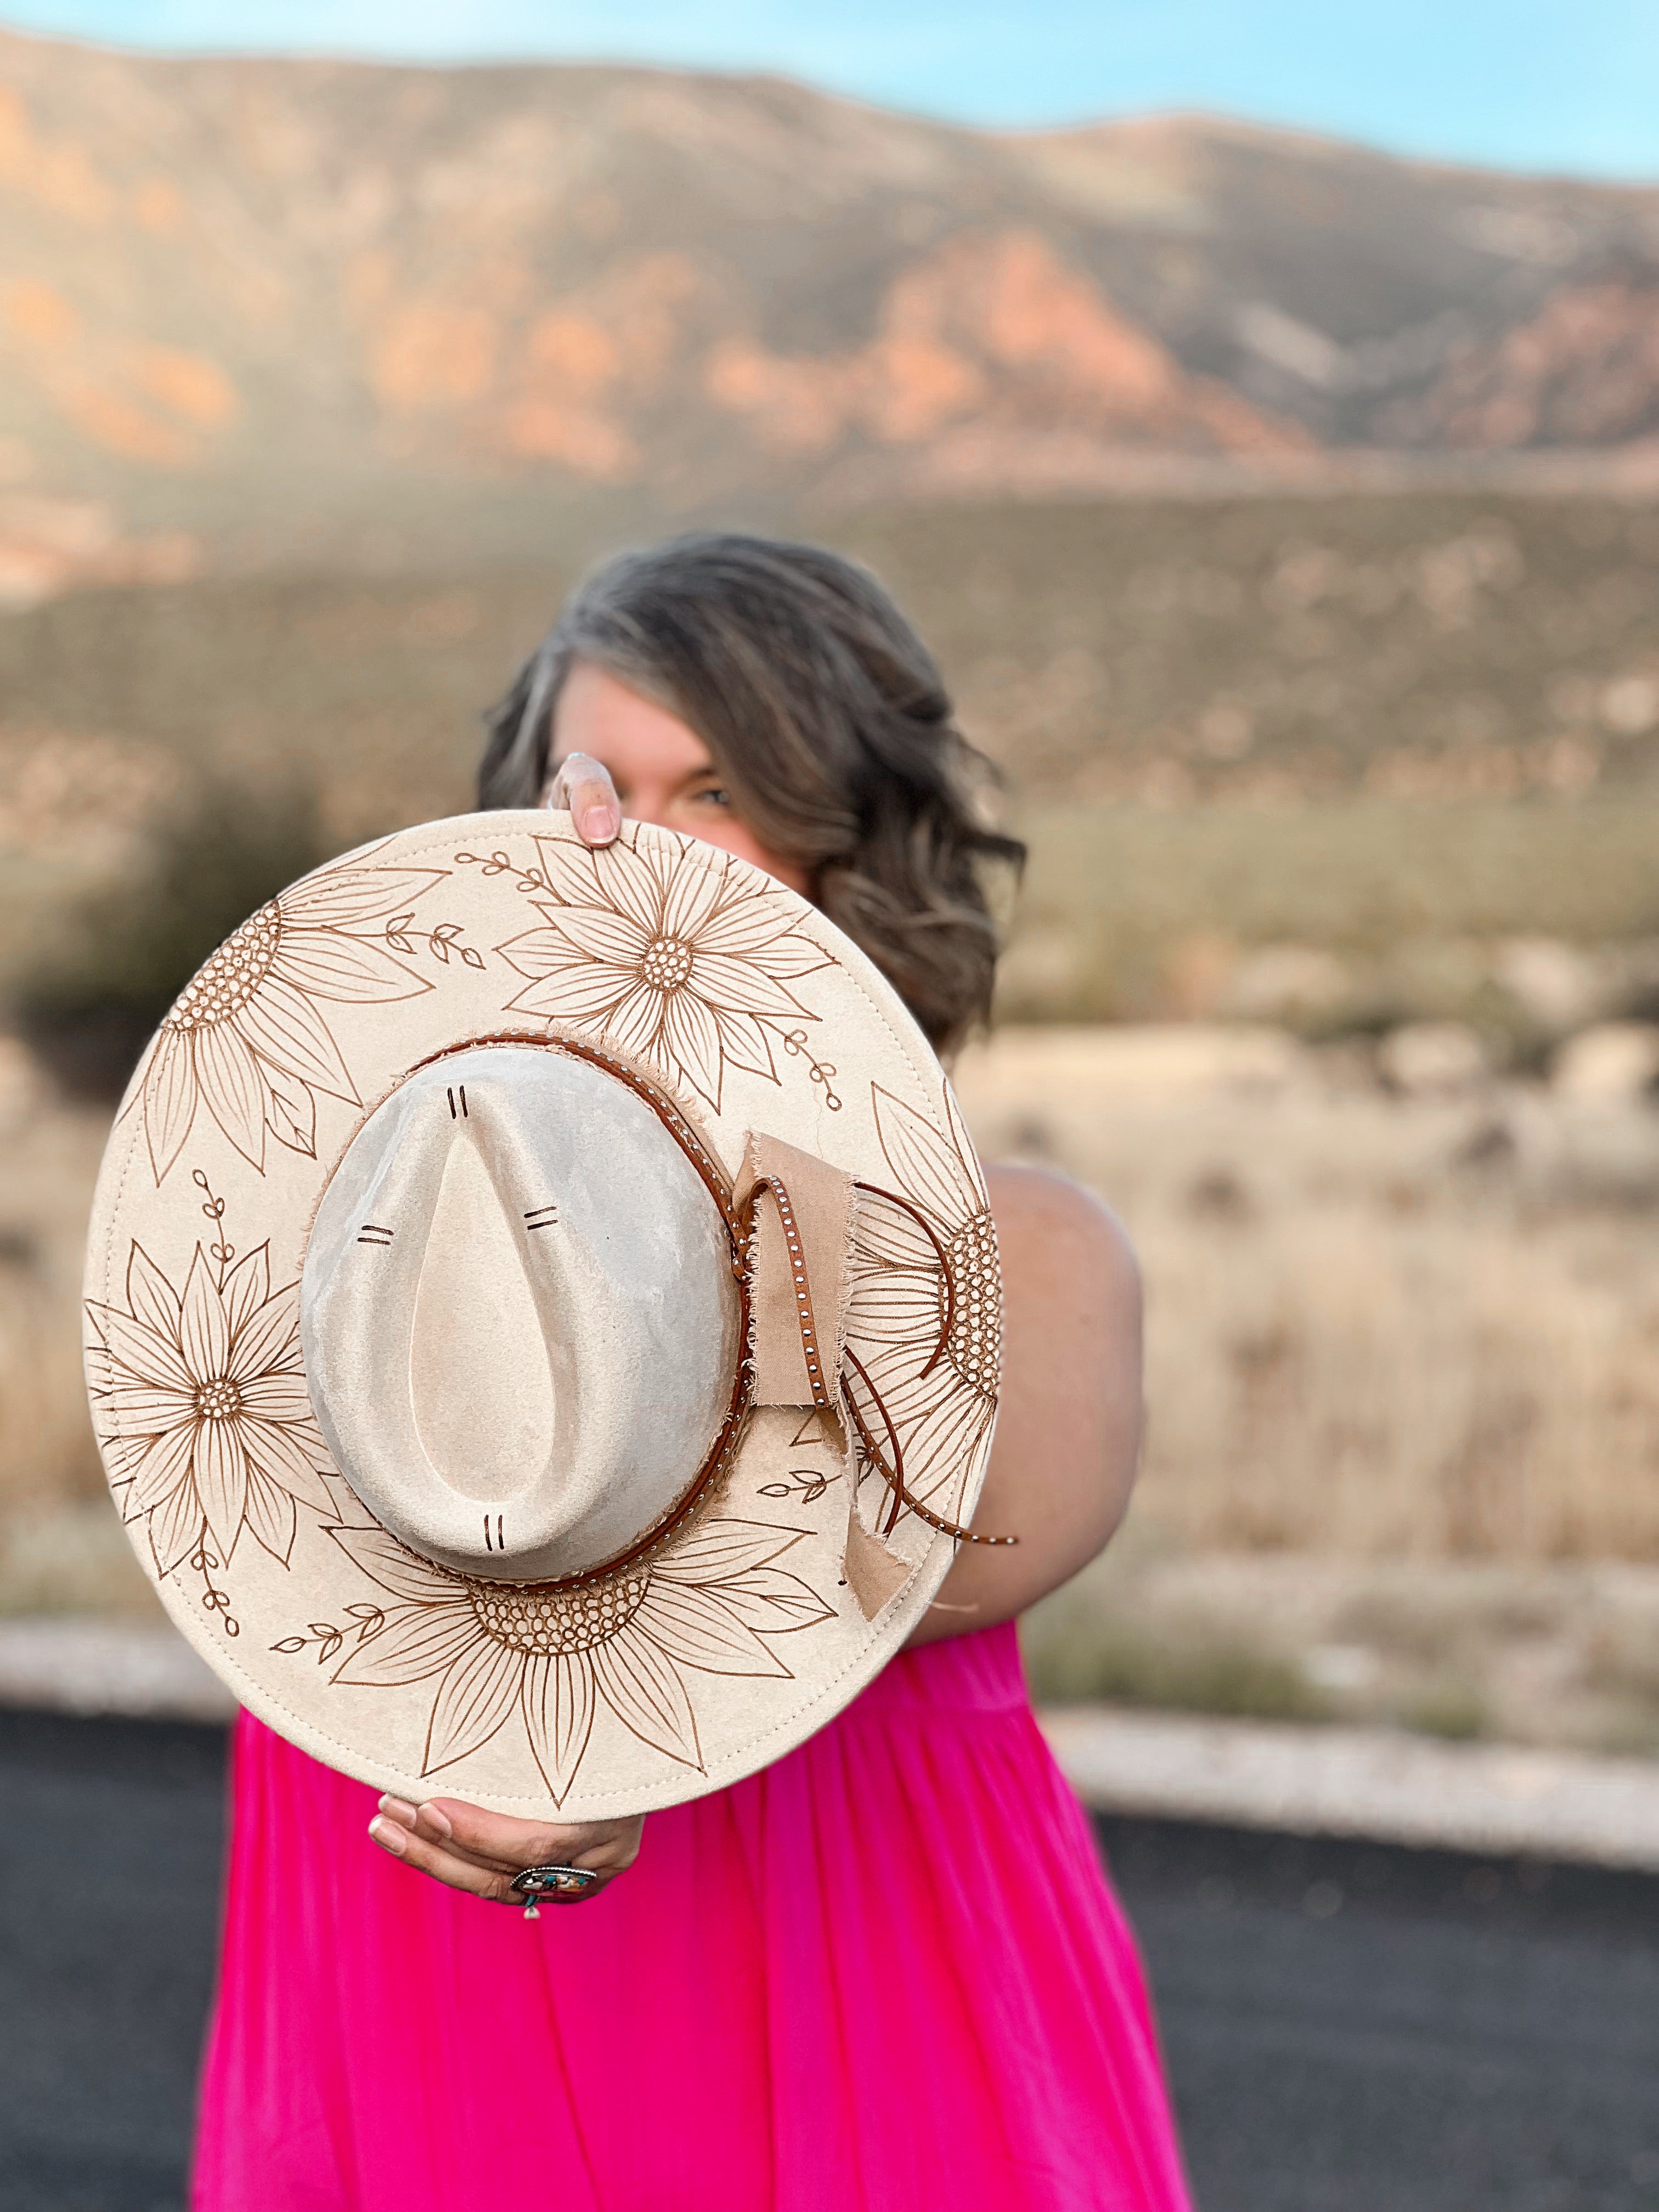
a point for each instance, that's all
(544, 1316)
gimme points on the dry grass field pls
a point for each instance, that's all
(1379, 1325)
(1403, 1451)
(1403, 1459)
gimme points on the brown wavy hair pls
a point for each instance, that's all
(827, 718)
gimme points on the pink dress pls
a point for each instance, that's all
(885, 1975)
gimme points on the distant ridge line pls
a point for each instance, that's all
(245, 292)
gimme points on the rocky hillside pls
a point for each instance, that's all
(243, 299)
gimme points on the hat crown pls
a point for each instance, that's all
(520, 1321)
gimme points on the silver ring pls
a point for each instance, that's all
(566, 1881)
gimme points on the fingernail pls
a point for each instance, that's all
(435, 1819)
(398, 1809)
(387, 1834)
(599, 820)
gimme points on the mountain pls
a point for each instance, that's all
(251, 305)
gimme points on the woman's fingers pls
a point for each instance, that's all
(473, 1849)
(442, 1865)
(490, 1841)
(584, 785)
(423, 1821)
(606, 1846)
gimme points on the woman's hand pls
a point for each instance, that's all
(584, 785)
(482, 1852)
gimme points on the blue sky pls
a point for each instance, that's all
(1565, 85)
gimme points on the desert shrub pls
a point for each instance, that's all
(121, 958)
(1448, 1706)
(1077, 1656)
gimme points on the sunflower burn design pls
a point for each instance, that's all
(203, 1412)
(248, 1040)
(624, 1641)
(687, 966)
(925, 1318)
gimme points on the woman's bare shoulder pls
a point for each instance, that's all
(1068, 1427)
(1048, 1226)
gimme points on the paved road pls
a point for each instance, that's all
(1350, 2028)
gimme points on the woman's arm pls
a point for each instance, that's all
(1068, 1430)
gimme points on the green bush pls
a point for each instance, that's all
(1447, 1706)
(1126, 1664)
(125, 953)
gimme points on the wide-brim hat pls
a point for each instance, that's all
(544, 1316)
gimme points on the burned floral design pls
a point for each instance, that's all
(709, 1604)
(925, 1317)
(685, 964)
(248, 1042)
(202, 1408)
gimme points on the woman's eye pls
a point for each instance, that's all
(711, 795)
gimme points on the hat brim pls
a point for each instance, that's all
(742, 1636)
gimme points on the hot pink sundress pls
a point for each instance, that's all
(885, 1975)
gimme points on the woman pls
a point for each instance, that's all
(885, 1974)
